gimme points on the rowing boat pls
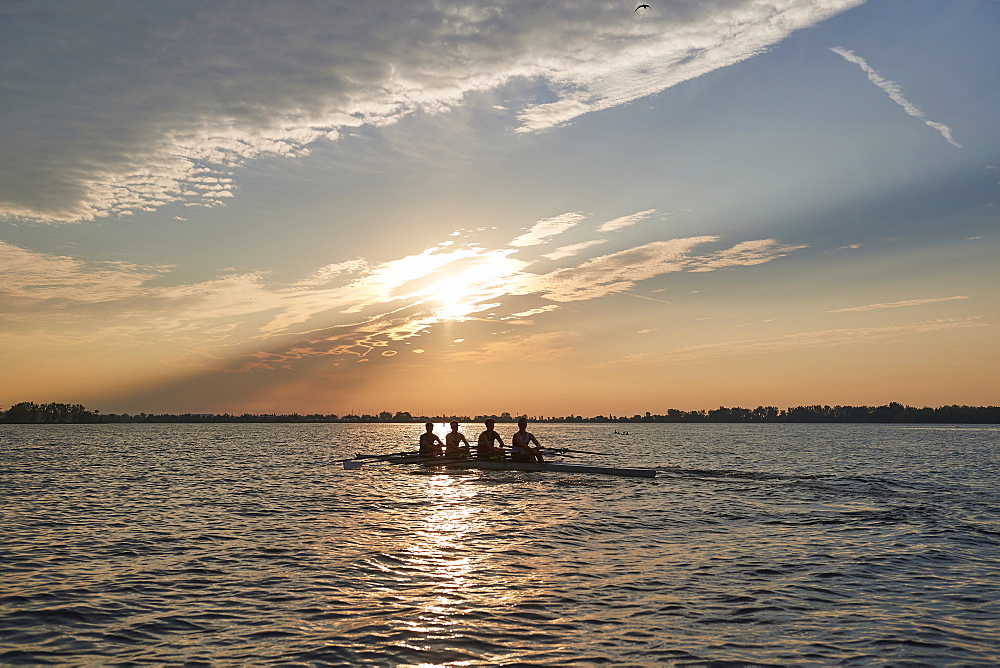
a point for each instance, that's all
(493, 465)
(489, 465)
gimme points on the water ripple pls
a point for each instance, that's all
(230, 545)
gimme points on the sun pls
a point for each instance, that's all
(455, 284)
(460, 295)
(470, 285)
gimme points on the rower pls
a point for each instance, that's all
(453, 441)
(520, 445)
(430, 444)
(485, 448)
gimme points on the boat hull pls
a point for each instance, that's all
(489, 465)
(493, 465)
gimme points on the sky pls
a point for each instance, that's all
(544, 208)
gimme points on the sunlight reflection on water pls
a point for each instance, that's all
(437, 549)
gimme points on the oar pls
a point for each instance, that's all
(582, 452)
(431, 460)
(408, 453)
(405, 456)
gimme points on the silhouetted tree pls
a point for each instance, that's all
(28, 412)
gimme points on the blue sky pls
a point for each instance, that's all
(476, 207)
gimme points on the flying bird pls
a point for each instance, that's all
(641, 7)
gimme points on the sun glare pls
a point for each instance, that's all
(474, 288)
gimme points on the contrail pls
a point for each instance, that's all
(891, 88)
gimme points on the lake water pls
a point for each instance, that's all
(244, 544)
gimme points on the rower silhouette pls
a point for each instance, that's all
(430, 444)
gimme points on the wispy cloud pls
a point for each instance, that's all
(324, 275)
(27, 277)
(616, 272)
(778, 344)
(620, 271)
(745, 254)
(892, 89)
(549, 227)
(535, 311)
(166, 101)
(625, 221)
(572, 249)
(908, 302)
(48, 298)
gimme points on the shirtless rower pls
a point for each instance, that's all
(485, 448)
(520, 445)
(453, 443)
(430, 444)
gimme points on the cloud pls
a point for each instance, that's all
(909, 302)
(745, 254)
(123, 106)
(573, 249)
(450, 283)
(28, 277)
(324, 275)
(407, 297)
(625, 221)
(620, 271)
(541, 231)
(535, 311)
(610, 66)
(357, 305)
(48, 298)
(342, 311)
(826, 338)
(617, 272)
(544, 229)
(892, 89)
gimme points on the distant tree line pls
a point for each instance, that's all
(32, 413)
(28, 412)
(889, 413)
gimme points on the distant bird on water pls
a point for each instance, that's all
(641, 7)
